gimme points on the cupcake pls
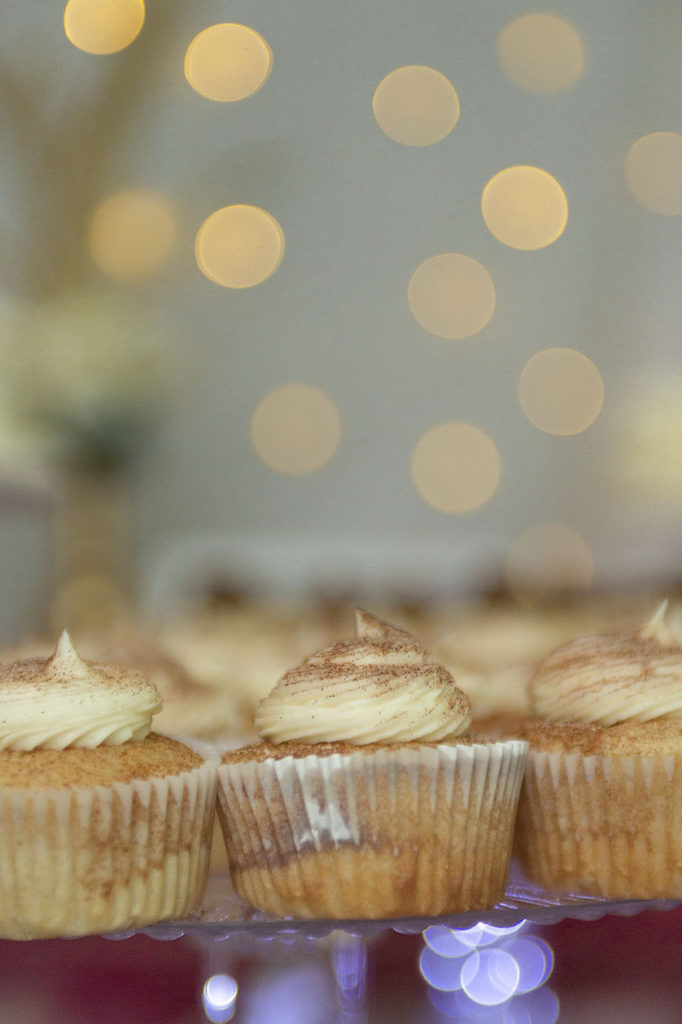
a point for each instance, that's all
(601, 808)
(188, 707)
(367, 797)
(493, 646)
(104, 825)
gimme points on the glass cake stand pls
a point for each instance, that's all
(225, 917)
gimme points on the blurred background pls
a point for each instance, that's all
(364, 298)
(372, 301)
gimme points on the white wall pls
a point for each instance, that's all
(360, 212)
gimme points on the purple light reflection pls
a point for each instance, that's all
(474, 936)
(535, 959)
(457, 1006)
(500, 932)
(538, 1007)
(445, 941)
(486, 934)
(490, 976)
(300, 993)
(443, 1002)
(440, 972)
(220, 998)
(349, 963)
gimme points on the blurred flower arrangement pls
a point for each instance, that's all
(85, 379)
(86, 369)
(85, 376)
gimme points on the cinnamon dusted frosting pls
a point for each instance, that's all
(603, 680)
(379, 687)
(63, 701)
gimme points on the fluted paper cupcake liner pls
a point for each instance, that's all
(407, 831)
(80, 861)
(603, 826)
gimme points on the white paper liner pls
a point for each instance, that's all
(413, 830)
(604, 826)
(81, 861)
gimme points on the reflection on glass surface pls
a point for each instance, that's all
(349, 963)
(538, 1007)
(489, 973)
(440, 972)
(220, 998)
(297, 993)
(485, 934)
(490, 976)
(535, 959)
(446, 942)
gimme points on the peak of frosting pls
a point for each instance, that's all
(663, 627)
(65, 660)
(612, 678)
(64, 701)
(369, 627)
(378, 687)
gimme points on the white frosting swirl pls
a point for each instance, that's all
(613, 678)
(379, 687)
(63, 701)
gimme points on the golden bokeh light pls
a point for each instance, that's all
(295, 429)
(561, 391)
(416, 105)
(456, 467)
(653, 171)
(239, 246)
(541, 52)
(524, 207)
(647, 462)
(548, 560)
(451, 295)
(132, 234)
(228, 62)
(103, 26)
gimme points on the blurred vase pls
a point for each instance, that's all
(93, 548)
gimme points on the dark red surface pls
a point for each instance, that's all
(614, 948)
(74, 981)
(619, 970)
(603, 964)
